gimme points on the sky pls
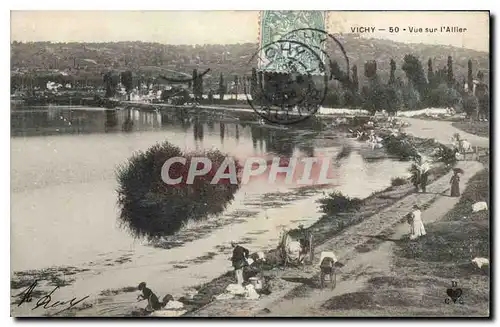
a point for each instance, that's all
(227, 27)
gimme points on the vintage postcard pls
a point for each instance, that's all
(250, 163)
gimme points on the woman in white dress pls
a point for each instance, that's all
(416, 225)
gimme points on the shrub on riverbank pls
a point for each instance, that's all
(445, 155)
(400, 146)
(151, 208)
(398, 181)
(337, 202)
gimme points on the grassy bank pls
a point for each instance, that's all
(478, 128)
(423, 270)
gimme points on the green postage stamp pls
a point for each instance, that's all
(288, 34)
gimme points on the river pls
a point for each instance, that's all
(64, 205)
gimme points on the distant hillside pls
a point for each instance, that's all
(91, 59)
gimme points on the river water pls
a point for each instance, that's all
(63, 199)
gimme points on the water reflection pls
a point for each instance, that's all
(128, 124)
(111, 121)
(72, 120)
(82, 120)
(210, 125)
(279, 142)
(222, 131)
(198, 131)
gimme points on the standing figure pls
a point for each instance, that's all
(455, 184)
(423, 180)
(239, 260)
(416, 224)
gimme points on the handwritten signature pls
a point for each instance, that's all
(46, 300)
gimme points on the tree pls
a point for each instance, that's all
(441, 76)
(111, 82)
(444, 96)
(411, 97)
(375, 96)
(355, 82)
(151, 208)
(351, 94)
(337, 74)
(371, 69)
(254, 85)
(195, 83)
(126, 78)
(469, 76)
(450, 78)
(236, 81)
(199, 88)
(483, 97)
(415, 74)
(333, 98)
(222, 88)
(470, 104)
(392, 78)
(394, 98)
(430, 73)
(210, 96)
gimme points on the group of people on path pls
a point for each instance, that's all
(240, 255)
(417, 228)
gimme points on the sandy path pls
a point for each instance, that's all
(372, 262)
(442, 131)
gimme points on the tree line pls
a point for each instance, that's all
(435, 88)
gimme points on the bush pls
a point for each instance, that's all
(337, 202)
(444, 96)
(394, 98)
(400, 146)
(411, 98)
(470, 104)
(151, 208)
(445, 155)
(397, 181)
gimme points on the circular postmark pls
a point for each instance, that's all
(319, 41)
(292, 82)
(294, 73)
